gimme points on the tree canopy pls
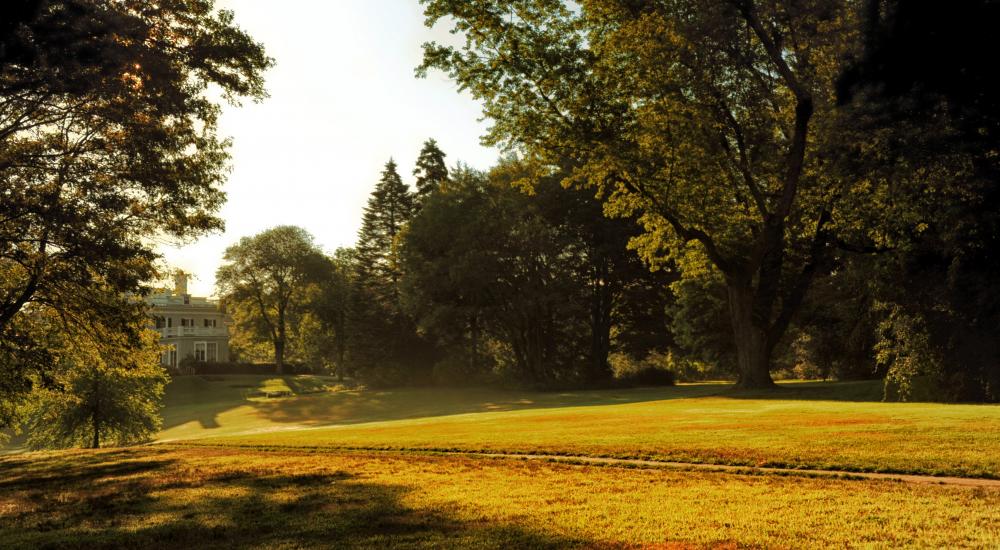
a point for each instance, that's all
(710, 121)
(108, 141)
(264, 281)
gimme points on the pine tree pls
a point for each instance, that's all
(431, 171)
(389, 208)
(383, 334)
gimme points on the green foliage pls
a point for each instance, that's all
(913, 366)
(107, 390)
(108, 144)
(385, 348)
(431, 171)
(265, 280)
(538, 286)
(707, 121)
(654, 370)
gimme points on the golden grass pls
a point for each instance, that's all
(804, 426)
(160, 497)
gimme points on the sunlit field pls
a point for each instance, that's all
(316, 465)
(162, 497)
(839, 426)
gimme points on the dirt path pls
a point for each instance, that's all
(640, 463)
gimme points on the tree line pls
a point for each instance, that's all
(740, 188)
(811, 189)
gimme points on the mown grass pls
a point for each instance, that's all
(839, 426)
(170, 497)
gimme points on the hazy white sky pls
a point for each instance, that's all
(343, 100)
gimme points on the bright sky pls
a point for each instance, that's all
(344, 100)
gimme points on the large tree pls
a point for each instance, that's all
(264, 281)
(108, 144)
(707, 119)
(385, 347)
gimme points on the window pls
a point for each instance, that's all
(160, 323)
(209, 323)
(201, 351)
(212, 351)
(170, 322)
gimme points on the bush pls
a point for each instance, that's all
(654, 370)
(190, 366)
(457, 370)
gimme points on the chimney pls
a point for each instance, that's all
(180, 283)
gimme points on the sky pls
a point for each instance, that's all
(343, 100)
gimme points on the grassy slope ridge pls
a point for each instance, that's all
(161, 497)
(817, 425)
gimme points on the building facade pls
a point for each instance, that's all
(190, 327)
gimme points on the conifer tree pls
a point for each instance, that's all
(385, 337)
(431, 170)
(389, 208)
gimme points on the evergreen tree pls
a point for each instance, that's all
(389, 208)
(385, 342)
(431, 171)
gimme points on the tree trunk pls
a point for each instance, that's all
(96, 421)
(279, 356)
(600, 322)
(474, 341)
(753, 345)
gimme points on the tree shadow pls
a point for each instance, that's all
(156, 503)
(311, 407)
(857, 391)
(356, 407)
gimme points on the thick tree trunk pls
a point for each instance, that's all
(753, 344)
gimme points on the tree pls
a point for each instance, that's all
(923, 89)
(108, 390)
(108, 142)
(544, 274)
(388, 210)
(325, 338)
(431, 171)
(707, 120)
(385, 347)
(264, 279)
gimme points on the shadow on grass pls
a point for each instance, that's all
(193, 399)
(355, 407)
(156, 503)
(327, 408)
(858, 391)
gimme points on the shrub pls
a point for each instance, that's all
(654, 370)
(190, 366)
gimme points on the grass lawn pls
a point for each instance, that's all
(170, 497)
(816, 425)
(237, 469)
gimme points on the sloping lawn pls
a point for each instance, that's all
(810, 425)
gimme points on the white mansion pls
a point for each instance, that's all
(190, 327)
